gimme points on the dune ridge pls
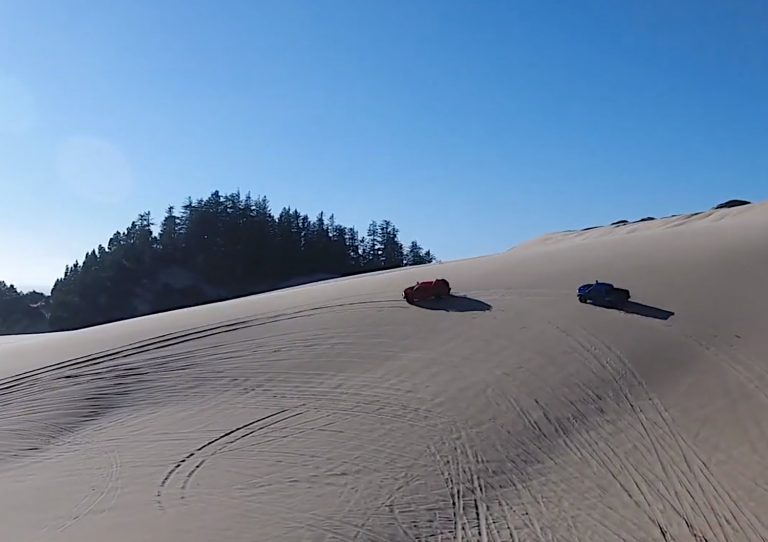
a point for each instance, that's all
(336, 411)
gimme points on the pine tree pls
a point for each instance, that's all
(414, 255)
(354, 250)
(391, 247)
(8, 291)
(170, 238)
(371, 247)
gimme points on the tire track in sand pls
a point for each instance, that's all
(710, 485)
(188, 457)
(111, 488)
(227, 444)
(171, 339)
(697, 492)
(662, 453)
(656, 453)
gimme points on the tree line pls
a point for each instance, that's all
(217, 248)
(21, 312)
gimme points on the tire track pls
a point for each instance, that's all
(111, 487)
(741, 372)
(461, 468)
(97, 384)
(698, 464)
(188, 477)
(179, 464)
(672, 449)
(389, 503)
(541, 448)
(624, 377)
(170, 339)
(640, 484)
(312, 521)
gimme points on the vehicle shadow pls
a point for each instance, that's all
(647, 311)
(454, 303)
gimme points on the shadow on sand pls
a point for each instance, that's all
(648, 311)
(454, 303)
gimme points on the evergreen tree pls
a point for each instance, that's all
(170, 238)
(391, 247)
(354, 249)
(416, 255)
(371, 247)
(8, 291)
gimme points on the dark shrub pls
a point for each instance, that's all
(732, 203)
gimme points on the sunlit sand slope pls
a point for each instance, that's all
(336, 411)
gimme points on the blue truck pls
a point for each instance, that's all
(603, 293)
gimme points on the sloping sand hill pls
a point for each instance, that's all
(336, 411)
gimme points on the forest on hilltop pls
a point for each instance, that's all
(217, 248)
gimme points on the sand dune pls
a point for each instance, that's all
(336, 411)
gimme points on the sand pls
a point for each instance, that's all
(336, 411)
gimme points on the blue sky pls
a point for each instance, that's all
(472, 125)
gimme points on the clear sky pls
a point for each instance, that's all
(471, 125)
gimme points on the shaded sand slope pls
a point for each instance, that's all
(336, 411)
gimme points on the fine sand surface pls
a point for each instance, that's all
(336, 411)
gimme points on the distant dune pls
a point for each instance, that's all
(336, 411)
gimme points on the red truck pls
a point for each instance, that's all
(427, 290)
